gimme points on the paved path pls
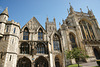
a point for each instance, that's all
(90, 64)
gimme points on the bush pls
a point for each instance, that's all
(98, 62)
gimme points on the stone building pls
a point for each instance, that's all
(34, 46)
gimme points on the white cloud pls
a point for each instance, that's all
(1, 9)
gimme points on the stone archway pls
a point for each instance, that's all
(41, 62)
(96, 53)
(24, 62)
(57, 62)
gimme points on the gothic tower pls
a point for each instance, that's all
(9, 45)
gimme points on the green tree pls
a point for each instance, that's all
(76, 53)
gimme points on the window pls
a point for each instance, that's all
(12, 41)
(0, 25)
(24, 48)
(10, 58)
(14, 30)
(56, 42)
(40, 34)
(72, 40)
(7, 28)
(1, 55)
(26, 34)
(41, 48)
(87, 30)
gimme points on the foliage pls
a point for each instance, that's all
(76, 53)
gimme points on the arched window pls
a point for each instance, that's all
(24, 48)
(56, 42)
(41, 48)
(40, 34)
(26, 34)
(87, 30)
(72, 40)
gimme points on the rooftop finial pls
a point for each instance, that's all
(5, 12)
(81, 9)
(71, 8)
(68, 11)
(47, 18)
(69, 4)
(54, 19)
(87, 8)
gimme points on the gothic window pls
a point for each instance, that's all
(14, 30)
(40, 34)
(56, 42)
(72, 40)
(24, 48)
(87, 30)
(26, 34)
(41, 48)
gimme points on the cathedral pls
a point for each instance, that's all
(35, 46)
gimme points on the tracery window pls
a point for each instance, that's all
(72, 40)
(26, 34)
(41, 48)
(40, 34)
(87, 30)
(56, 42)
(24, 48)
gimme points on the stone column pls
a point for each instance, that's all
(51, 59)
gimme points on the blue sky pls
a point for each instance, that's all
(23, 10)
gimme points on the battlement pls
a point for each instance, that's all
(13, 22)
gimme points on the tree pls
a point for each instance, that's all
(76, 53)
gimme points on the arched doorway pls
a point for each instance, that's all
(96, 53)
(57, 63)
(24, 62)
(41, 62)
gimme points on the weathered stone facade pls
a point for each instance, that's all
(34, 46)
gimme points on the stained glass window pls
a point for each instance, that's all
(56, 42)
(72, 40)
(41, 48)
(40, 34)
(25, 34)
(24, 48)
(87, 30)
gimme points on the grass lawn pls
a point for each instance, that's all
(74, 65)
(96, 66)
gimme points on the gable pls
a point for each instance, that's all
(32, 25)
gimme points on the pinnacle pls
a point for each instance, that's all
(5, 11)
